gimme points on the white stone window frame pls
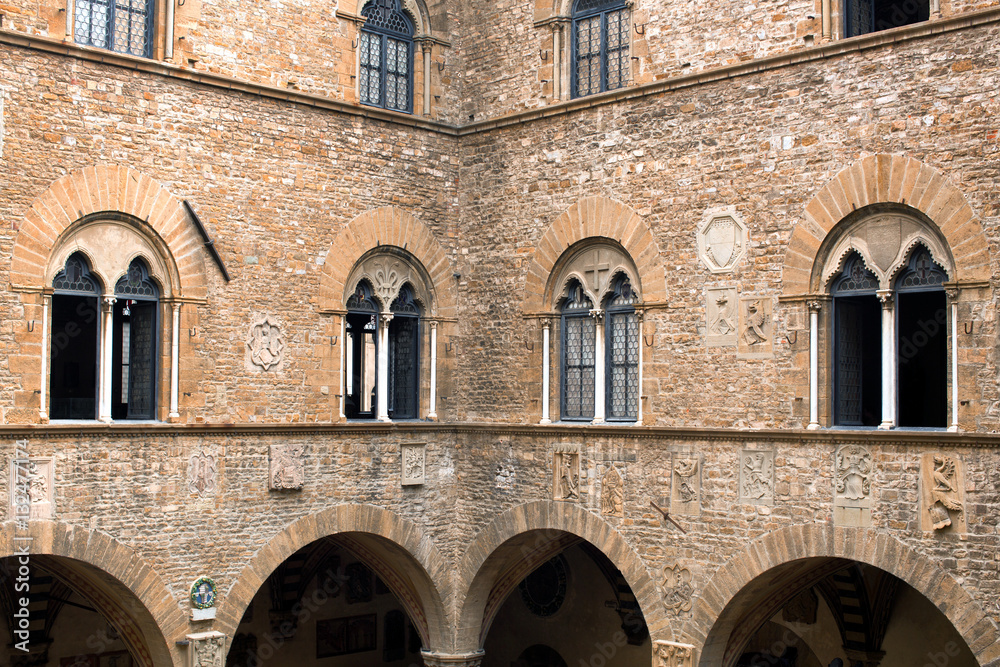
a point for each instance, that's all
(110, 244)
(857, 238)
(597, 289)
(387, 270)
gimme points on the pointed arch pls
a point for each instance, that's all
(588, 218)
(417, 10)
(886, 179)
(125, 196)
(387, 226)
(394, 547)
(713, 617)
(531, 533)
(119, 582)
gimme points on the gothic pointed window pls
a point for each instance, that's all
(134, 338)
(385, 47)
(404, 348)
(124, 26)
(865, 16)
(622, 341)
(600, 46)
(857, 317)
(361, 362)
(578, 354)
(74, 351)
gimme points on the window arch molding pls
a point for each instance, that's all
(387, 269)
(884, 236)
(594, 263)
(417, 10)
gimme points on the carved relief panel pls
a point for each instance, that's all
(612, 493)
(287, 468)
(685, 485)
(673, 654)
(722, 316)
(207, 649)
(942, 493)
(756, 328)
(39, 473)
(757, 477)
(722, 239)
(202, 473)
(414, 462)
(677, 589)
(265, 345)
(852, 477)
(566, 474)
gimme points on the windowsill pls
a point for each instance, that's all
(95, 422)
(894, 428)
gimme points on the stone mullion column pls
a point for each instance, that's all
(426, 49)
(175, 343)
(827, 20)
(43, 409)
(814, 308)
(638, 373)
(70, 16)
(383, 368)
(557, 60)
(436, 659)
(343, 362)
(888, 359)
(953, 353)
(434, 361)
(107, 338)
(599, 388)
(546, 361)
(168, 49)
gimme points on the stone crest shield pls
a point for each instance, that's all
(722, 240)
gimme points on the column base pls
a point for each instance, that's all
(545, 420)
(954, 429)
(813, 426)
(886, 426)
(435, 659)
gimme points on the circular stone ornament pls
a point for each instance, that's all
(203, 593)
(544, 590)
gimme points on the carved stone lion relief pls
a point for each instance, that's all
(722, 239)
(566, 474)
(942, 493)
(757, 477)
(685, 485)
(756, 328)
(612, 493)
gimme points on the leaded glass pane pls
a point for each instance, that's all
(921, 273)
(136, 283)
(75, 277)
(362, 299)
(387, 15)
(142, 360)
(617, 49)
(403, 367)
(623, 366)
(855, 278)
(578, 367)
(860, 17)
(588, 56)
(125, 26)
(404, 303)
(583, 6)
(371, 67)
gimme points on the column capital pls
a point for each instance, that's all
(434, 326)
(108, 301)
(952, 293)
(597, 314)
(546, 322)
(886, 296)
(436, 659)
(386, 318)
(815, 306)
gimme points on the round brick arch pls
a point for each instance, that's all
(101, 189)
(396, 548)
(387, 226)
(595, 217)
(886, 179)
(113, 577)
(525, 528)
(719, 605)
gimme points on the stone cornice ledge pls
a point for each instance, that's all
(817, 53)
(584, 432)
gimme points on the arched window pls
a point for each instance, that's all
(74, 352)
(600, 46)
(382, 354)
(578, 354)
(857, 317)
(125, 27)
(80, 341)
(133, 388)
(901, 331)
(865, 16)
(622, 352)
(361, 369)
(386, 56)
